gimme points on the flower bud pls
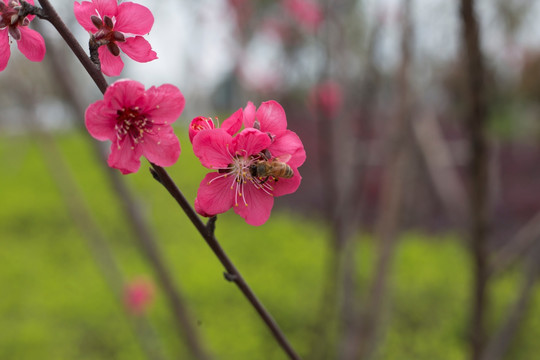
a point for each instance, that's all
(113, 48)
(108, 22)
(118, 36)
(96, 21)
(15, 32)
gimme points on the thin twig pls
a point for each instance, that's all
(169, 184)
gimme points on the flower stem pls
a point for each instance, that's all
(160, 174)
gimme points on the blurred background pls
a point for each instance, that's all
(415, 231)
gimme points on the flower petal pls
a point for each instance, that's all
(213, 148)
(31, 44)
(250, 142)
(272, 117)
(110, 65)
(162, 149)
(233, 122)
(257, 207)
(83, 12)
(163, 104)
(287, 186)
(198, 124)
(214, 195)
(125, 156)
(200, 210)
(124, 94)
(5, 51)
(134, 19)
(249, 114)
(288, 143)
(138, 49)
(106, 7)
(100, 121)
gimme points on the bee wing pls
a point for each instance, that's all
(284, 158)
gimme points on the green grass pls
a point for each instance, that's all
(55, 304)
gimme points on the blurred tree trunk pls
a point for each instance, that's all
(476, 118)
(391, 201)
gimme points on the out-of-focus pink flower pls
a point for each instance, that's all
(231, 125)
(29, 41)
(238, 182)
(307, 12)
(327, 97)
(114, 25)
(270, 118)
(138, 122)
(139, 295)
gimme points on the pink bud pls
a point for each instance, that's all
(138, 295)
(327, 97)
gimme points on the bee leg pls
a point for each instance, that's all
(265, 180)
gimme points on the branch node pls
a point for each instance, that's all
(211, 225)
(93, 46)
(155, 175)
(230, 277)
(28, 9)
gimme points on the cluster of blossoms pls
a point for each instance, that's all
(252, 166)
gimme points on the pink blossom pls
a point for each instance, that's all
(138, 123)
(271, 119)
(307, 12)
(138, 295)
(236, 184)
(327, 97)
(112, 24)
(231, 125)
(29, 41)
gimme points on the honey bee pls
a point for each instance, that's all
(271, 168)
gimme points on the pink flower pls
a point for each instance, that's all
(29, 41)
(138, 123)
(307, 12)
(231, 125)
(238, 183)
(327, 98)
(271, 119)
(110, 24)
(138, 295)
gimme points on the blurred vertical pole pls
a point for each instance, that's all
(325, 326)
(96, 241)
(476, 118)
(391, 199)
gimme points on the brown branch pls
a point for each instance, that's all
(130, 208)
(522, 242)
(498, 346)
(441, 167)
(476, 118)
(392, 194)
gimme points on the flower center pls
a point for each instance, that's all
(130, 122)
(10, 18)
(240, 173)
(106, 35)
